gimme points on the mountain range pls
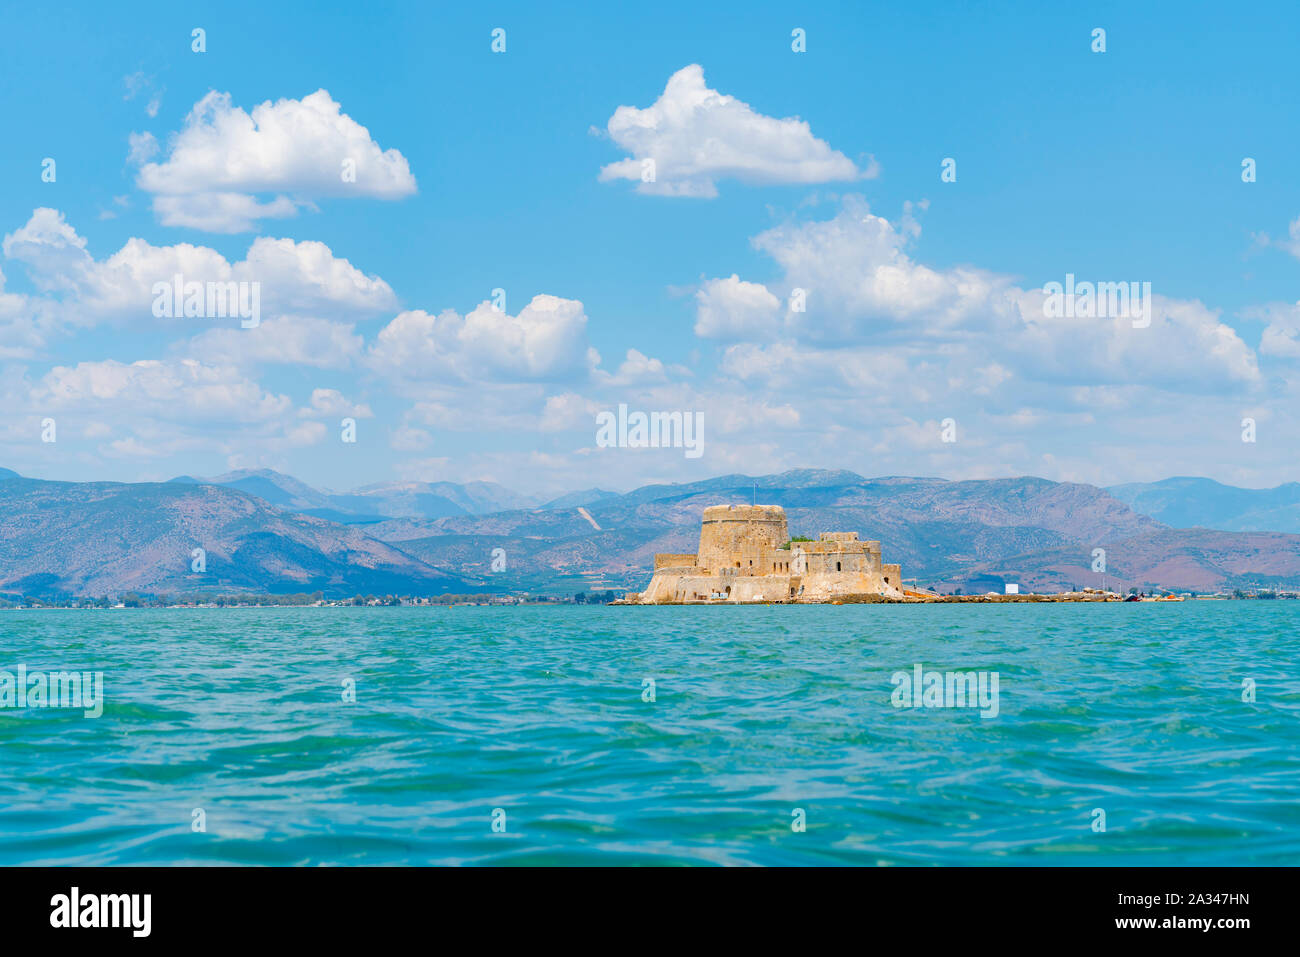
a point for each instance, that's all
(372, 503)
(1204, 503)
(107, 538)
(969, 535)
(261, 530)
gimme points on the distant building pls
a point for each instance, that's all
(746, 554)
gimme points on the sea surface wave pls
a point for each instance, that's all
(759, 712)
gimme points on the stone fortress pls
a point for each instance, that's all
(746, 555)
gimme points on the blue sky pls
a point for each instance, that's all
(1122, 165)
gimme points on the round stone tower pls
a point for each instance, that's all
(732, 533)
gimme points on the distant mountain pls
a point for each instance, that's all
(283, 491)
(934, 528)
(431, 499)
(8, 474)
(972, 535)
(261, 531)
(104, 538)
(1196, 559)
(372, 502)
(575, 499)
(1204, 503)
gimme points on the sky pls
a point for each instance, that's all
(821, 231)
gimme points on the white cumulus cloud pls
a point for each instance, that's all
(734, 309)
(546, 341)
(180, 390)
(223, 158)
(285, 340)
(292, 277)
(877, 321)
(696, 136)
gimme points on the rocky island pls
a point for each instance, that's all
(746, 555)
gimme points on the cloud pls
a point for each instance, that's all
(138, 83)
(872, 374)
(567, 411)
(734, 309)
(132, 448)
(154, 408)
(504, 409)
(175, 390)
(50, 247)
(1281, 336)
(284, 340)
(224, 157)
(142, 147)
(697, 136)
(856, 275)
(873, 311)
(1290, 245)
(330, 403)
(134, 83)
(220, 212)
(306, 433)
(408, 439)
(294, 277)
(1186, 348)
(22, 324)
(307, 275)
(637, 367)
(546, 341)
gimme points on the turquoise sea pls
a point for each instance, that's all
(758, 712)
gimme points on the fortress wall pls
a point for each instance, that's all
(855, 562)
(666, 583)
(697, 588)
(781, 562)
(769, 588)
(833, 546)
(834, 584)
(674, 587)
(747, 560)
(666, 559)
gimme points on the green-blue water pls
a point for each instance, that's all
(1135, 709)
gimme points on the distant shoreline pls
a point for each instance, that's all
(1054, 599)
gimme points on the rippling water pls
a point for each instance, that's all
(1135, 709)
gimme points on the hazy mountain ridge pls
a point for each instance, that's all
(933, 527)
(96, 538)
(370, 503)
(1185, 502)
(100, 538)
(1198, 559)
